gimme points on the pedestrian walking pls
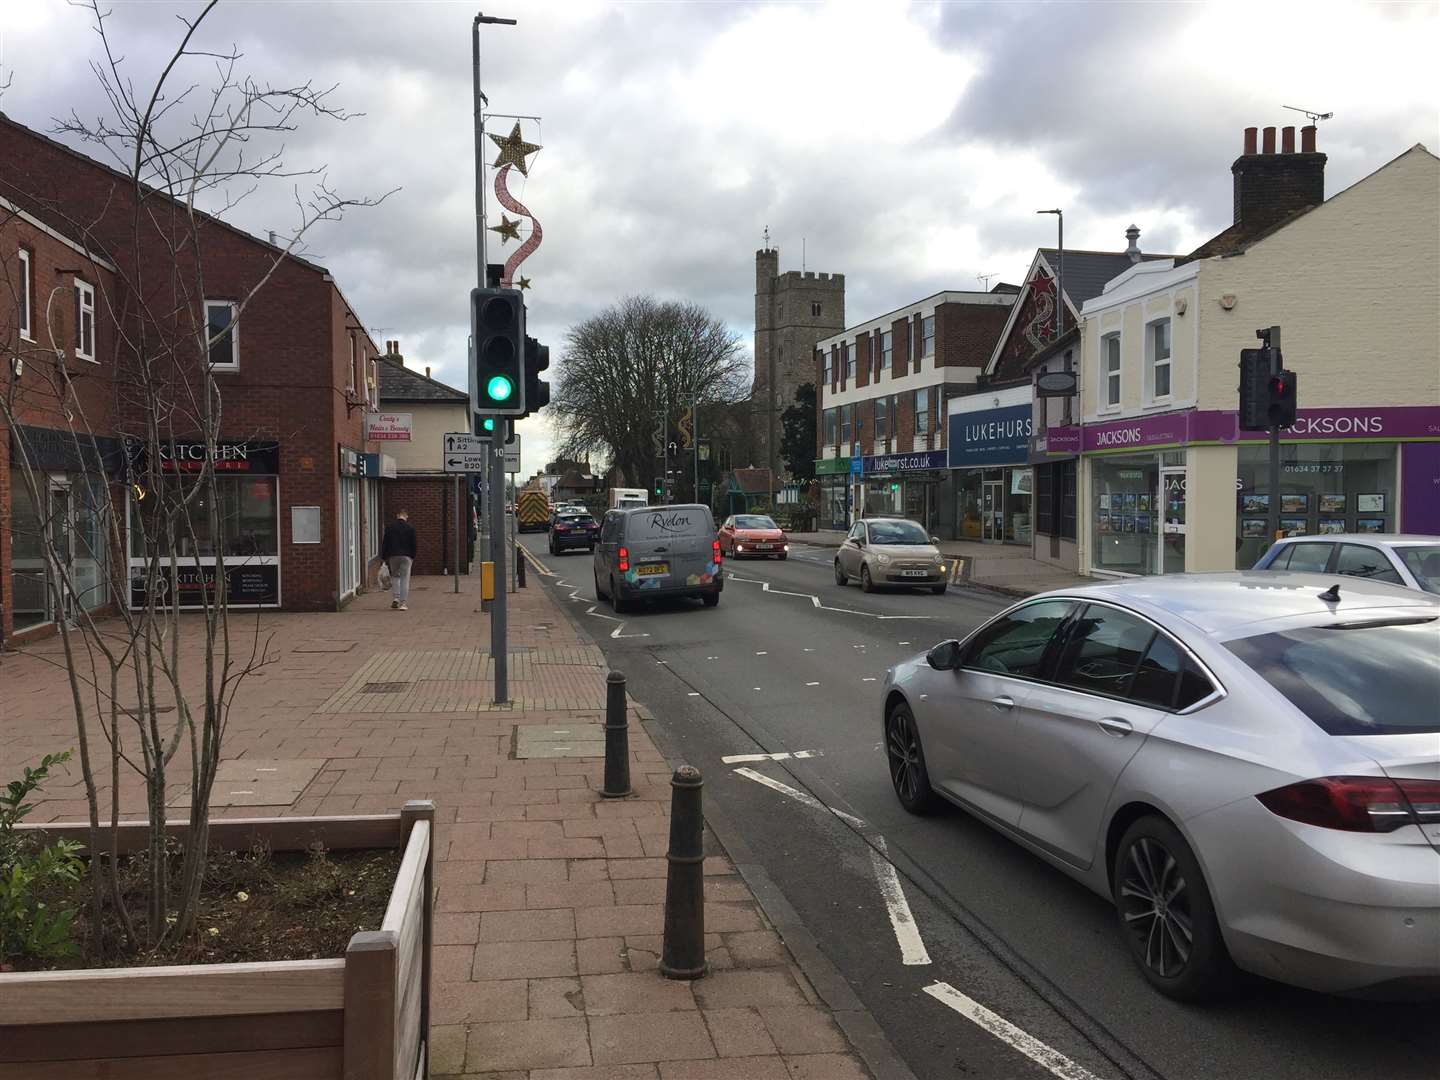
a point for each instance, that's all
(398, 550)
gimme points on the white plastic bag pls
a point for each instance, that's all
(383, 578)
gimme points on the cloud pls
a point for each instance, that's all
(904, 145)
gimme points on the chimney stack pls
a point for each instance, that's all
(1132, 234)
(1270, 186)
(427, 371)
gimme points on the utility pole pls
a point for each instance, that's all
(499, 649)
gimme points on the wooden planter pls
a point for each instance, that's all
(363, 1017)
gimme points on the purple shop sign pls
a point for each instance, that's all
(1420, 488)
(1063, 440)
(1377, 424)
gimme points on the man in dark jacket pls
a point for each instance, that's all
(398, 551)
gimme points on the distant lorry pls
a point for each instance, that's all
(622, 498)
(532, 510)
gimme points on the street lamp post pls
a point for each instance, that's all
(1059, 275)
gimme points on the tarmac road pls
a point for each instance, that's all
(791, 663)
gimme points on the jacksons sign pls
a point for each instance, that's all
(991, 436)
(1395, 423)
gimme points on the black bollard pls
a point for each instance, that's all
(617, 738)
(519, 567)
(683, 954)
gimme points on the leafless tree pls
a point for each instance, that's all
(179, 147)
(625, 367)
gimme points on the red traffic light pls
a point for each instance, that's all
(1282, 385)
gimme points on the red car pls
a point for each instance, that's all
(744, 535)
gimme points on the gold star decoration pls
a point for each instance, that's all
(508, 229)
(523, 282)
(514, 149)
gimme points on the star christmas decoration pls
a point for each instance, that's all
(523, 282)
(514, 150)
(508, 229)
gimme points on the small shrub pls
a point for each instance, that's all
(29, 925)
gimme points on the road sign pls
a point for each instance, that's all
(460, 442)
(463, 463)
(856, 461)
(512, 455)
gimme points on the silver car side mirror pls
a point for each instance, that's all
(935, 540)
(945, 656)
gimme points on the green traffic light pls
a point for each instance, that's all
(499, 388)
(489, 423)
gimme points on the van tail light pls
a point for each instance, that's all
(624, 559)
(715, 549)
(1375, 804)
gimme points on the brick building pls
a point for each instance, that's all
(793, 311)
(883, 385)
(296, 375)
(426, 409)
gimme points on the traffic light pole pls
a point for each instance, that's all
(1272, 347)
(499, 653)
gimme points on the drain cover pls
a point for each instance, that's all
(383, 687)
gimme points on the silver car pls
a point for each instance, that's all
(1247, 764)
(1412, 561)
(889, 551)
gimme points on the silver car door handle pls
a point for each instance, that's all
(1003, 702)
(1116, 727)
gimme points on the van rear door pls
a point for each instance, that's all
(671, 546)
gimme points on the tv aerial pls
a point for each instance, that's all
(984, 280)
(1315, 117)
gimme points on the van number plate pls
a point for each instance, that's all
(653, 569)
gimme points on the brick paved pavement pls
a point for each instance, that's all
(549, 901)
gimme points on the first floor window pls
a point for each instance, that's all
(220, 329)
(927, 336)
(922, 411)
(1157, 349)
(845, 427)
(830, 431)
(882, 418)
(84, 320)
(848, 360)
(27, 289)
(887, 356)
(827, 368)
(1110, 350)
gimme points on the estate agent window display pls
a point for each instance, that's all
(1325, 488)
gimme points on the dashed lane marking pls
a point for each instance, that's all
(765, 586)
(812, 684)
(799, 796)
(1047, 1057)
(902, 921)
(782, 755)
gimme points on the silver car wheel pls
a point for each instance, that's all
(1155, 905)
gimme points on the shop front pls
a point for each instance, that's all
(833, 478)
(67, 516)
(241, 530)
(1190, 491)
(909, 486)
(992, 480)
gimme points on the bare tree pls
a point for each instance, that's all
(634, 361)
(177, 146)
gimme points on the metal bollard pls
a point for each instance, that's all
(519, 567)
(683, 954)
(617, 738)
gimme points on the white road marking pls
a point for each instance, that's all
(617, 634)
(904, 643)
(756, 688)
(812, 684)
(799, 796)
(267, 769)
(807, 650)
(782, 755)
(242, 793)
(693, 693)
(762, 654)
(712, 658)
(868, 678)
(912, 948)
(1045, 1056)
(815, 600)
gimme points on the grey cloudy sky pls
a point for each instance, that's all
(909, 145)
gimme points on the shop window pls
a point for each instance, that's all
(1044, 499)
(247, 516)
(1124, 492)
(1157, 359)
(223, 335)
(1067, 499)
(84, 321)
(1110, 377)
(26, 297)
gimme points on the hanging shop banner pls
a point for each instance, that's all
(246, 585)
(991, 436)
(388, 426)
(835, 466)
(260, 457)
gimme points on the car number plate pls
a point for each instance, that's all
(763, 547)
(653, 569)
(914, 573)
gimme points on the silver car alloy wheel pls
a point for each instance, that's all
(903, 749)
(1154, 900)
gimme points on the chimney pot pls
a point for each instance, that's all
(1250, 136)
(1307, 139)
(1287, 140)
(1132, 234)
(427, 371)
(1267, 141)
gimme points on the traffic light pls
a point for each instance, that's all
(497, 325)
(484, 427)
(537, 391)
(1280, 405)
(660, 486)
(1254, 390)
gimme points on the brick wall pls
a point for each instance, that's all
(429, 499)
